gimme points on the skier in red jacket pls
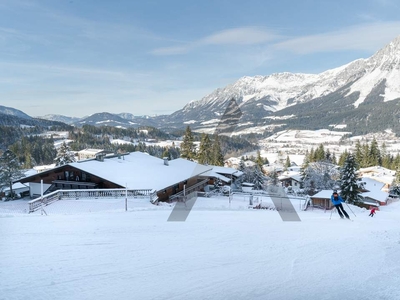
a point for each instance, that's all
(371, 214)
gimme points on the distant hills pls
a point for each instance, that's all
(360, 97)
(13, 117)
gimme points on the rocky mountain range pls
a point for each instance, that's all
(362, 95)
(359, 97)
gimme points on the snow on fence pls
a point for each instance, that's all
(91, 194)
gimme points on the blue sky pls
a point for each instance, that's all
(77, 58)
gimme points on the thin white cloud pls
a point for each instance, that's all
(239, 36)
(171, 50)
(366, 37)
(234, 36)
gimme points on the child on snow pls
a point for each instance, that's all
(373, 210)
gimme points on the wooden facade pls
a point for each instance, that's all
(68, 177)
(324, 203)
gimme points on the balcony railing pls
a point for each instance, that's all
(196, 187)
(91, 194)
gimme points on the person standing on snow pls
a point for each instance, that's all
(337, 202)
(371, 214)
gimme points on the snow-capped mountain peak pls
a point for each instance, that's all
(281, 90)
(381, 68)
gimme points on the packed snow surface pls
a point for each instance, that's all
(222, 251)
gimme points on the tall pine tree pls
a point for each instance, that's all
(204, 156)
(259, 160)
(259, 178)
(187, 145)
(64, 155)
(10, 170)
(217, 156)
(349, 184)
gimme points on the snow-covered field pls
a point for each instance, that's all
(223, 251)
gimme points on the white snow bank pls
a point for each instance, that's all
(230, 254)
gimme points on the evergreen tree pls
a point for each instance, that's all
(358, 153)
(311, 157)
(259, 178)
(320, 175)
(395, 188)
(64, 155)
(365, 162)
(274, 177)
(287, 163)
(259, 161)
(10, 170)
(242, 165)
(204, 155)
(306, 160)
(319, 154)
(396, 162)
(217, 156)
(349, 185)
(375, 158)
(342, 158)
(187, 145)
(166, 154)
(334, 160)
(387, 159)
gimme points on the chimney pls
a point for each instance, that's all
(165, 161)
(100, 157)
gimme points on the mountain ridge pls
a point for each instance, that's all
(360, 91)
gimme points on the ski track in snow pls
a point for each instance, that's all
(215, 254)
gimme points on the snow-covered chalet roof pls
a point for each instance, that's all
(139, 170)
(227, 171)
(211, 173)
(376, 195)
(91, 151)
(324, 194)
(378, 173)
(290, 175)
(17, 187)
(371, 184)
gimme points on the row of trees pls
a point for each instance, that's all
(366, 155)
(325, 175)
(208, 153)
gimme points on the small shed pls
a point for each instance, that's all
(322, 199)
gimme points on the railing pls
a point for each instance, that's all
(91, 194)
(46, 200)
(186, 197)
(188, 190)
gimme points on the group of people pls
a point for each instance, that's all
(337, 202)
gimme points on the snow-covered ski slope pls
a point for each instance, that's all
(222, 251)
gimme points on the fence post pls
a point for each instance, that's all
(126, 197)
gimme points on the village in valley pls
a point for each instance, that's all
(97, 218)
(305, 164)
